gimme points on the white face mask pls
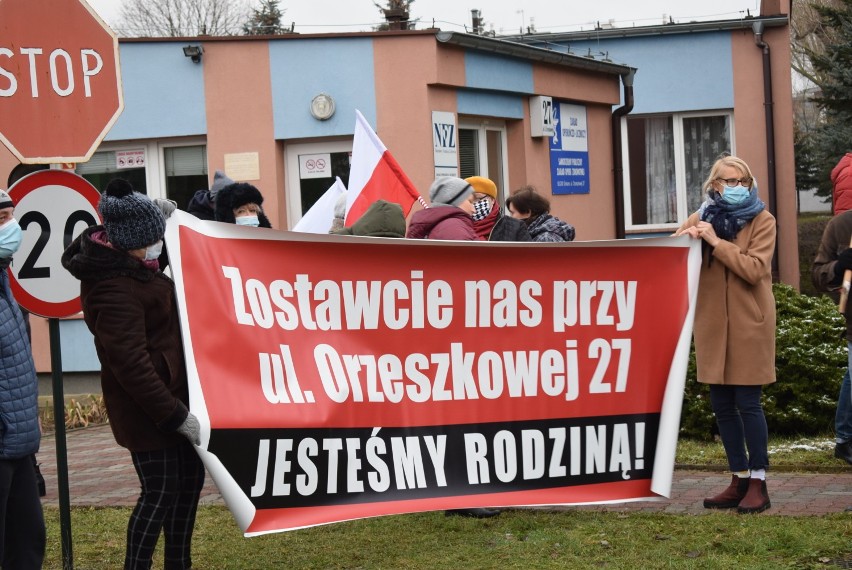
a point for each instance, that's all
(153, 251)
(248, 221)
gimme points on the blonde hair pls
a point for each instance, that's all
(732, 161)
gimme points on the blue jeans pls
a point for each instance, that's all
(742, 425)
(843, 416)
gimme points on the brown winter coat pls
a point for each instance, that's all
(835, 239)
(132, 313)
(735, 313)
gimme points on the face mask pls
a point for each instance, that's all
(248, 221)
(481, 209)
(10, 238)
(735, 194)
(153, 251)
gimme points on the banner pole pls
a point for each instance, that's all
(61, 450)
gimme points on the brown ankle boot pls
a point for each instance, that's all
(756, 499)
(730, 497)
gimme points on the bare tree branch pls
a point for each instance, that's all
(171, 18)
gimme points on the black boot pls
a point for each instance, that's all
(730, 497)
(475, 513)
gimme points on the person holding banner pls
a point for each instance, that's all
(449, 216)
(534, 210)
(489, 222)
(22, 531)
(735, 325)
(833, 259)
(129, 305)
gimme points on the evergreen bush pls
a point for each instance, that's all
(810, 359)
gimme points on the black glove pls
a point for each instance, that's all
(844, 262)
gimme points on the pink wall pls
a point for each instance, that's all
(238, 92)
(751, 144)
(404, 101)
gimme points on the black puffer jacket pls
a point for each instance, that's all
(131, 310)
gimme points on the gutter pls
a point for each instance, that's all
(617, 156)
(768, 107)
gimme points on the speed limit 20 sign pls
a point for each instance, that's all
(52, 207)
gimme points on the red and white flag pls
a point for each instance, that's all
(375, 175)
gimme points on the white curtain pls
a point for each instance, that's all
(660, 171)
(704, 140)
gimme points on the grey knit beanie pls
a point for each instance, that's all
(131, 219)
(449, 191)
(220, 180)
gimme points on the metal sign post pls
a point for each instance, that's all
(61, 449)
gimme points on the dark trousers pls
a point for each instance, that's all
(22, 534)
(742, 425)
(171, 485)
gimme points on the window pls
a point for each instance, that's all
(482, 152)
(668, 158)
(186, 172)
(311, 171)
(104, 166)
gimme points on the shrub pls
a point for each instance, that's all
(810, 359)
(88, 410)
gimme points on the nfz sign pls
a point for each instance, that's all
(445, 142)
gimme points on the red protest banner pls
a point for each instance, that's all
(340, 377)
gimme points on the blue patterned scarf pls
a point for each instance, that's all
(728, 219)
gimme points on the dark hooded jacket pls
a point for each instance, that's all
(202, 206)
(548, 228)
(131, 311)
(382, 219)
(441, 222)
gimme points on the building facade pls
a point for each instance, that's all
(617, 127)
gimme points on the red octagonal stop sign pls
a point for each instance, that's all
(60, 83)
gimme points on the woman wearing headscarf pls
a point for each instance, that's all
(735, 324)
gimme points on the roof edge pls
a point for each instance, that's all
(523, 51)
(658, 30)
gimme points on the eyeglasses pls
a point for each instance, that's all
(734, 181)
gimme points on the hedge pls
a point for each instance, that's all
(810, 361)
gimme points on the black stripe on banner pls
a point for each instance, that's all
(280, 468)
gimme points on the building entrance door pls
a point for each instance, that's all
(311, 170)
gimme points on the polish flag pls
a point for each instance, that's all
(375, 175)
(318, 219)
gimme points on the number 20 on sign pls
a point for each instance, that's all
(53, 207)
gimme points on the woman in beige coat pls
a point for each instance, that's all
(735, 324)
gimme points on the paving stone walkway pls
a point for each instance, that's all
(100, 473)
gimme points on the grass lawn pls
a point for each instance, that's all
(516, 539)
(523, 539)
